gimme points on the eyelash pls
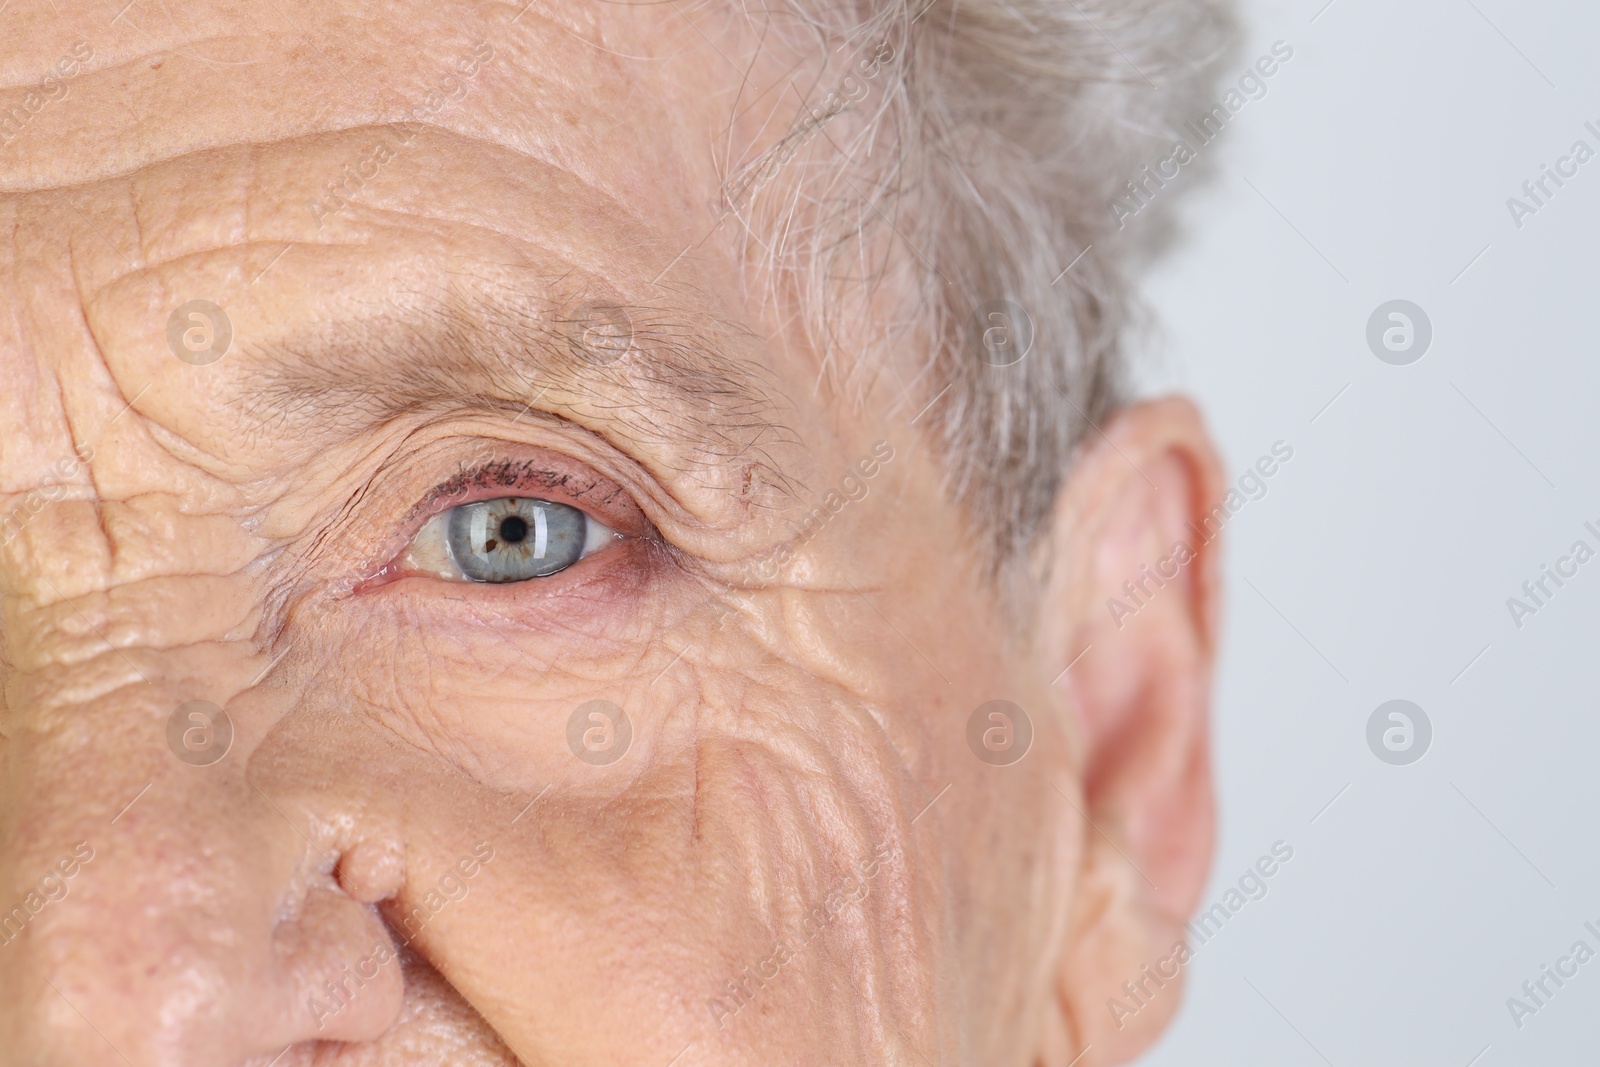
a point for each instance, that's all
(517, 475)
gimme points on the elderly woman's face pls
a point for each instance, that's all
(595, 686)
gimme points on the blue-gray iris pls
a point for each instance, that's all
(514, 538)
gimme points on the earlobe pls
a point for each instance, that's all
(1133, 599)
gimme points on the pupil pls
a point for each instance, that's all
(513, 528)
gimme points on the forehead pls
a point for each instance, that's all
(153, 81)
(339, 188)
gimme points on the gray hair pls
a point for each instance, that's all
(972, 159)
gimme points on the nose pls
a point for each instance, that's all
(160, 905)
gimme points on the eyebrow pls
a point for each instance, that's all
(650, 376)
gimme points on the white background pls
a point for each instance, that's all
(1385, 550)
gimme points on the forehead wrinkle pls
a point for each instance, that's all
(240, 165)
(105, 169)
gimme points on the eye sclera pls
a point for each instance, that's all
(436, 551)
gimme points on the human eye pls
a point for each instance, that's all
(505, 539)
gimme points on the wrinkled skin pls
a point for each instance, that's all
(227, 531)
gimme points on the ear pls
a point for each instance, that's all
(1132, 589)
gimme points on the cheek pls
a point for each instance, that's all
(658, 884)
